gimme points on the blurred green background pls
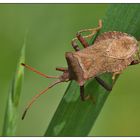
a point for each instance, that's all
(51, 28)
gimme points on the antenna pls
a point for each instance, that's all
(63, 78)
(37, 96)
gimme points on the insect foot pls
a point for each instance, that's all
(115, 74)
(86, 97)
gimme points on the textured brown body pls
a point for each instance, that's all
(111, 52)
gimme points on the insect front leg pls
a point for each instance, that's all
(61, 69)
(104, 84)
(82, 39)
(92, 31)
(75, 45)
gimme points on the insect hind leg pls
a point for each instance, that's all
(134, 62)
(137, 61)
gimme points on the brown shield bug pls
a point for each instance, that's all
(111, 52)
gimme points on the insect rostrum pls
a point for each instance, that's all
(111, 52)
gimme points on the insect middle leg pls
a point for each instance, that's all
(82, 39)
(101, 82)
(104, 84)
(82, 94)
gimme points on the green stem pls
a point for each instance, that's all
(11, 114)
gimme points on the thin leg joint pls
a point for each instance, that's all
(82, 40)
(75, 45)
(103, 83)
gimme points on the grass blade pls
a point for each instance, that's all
(74, 117)
(11, 114)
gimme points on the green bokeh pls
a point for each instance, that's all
(51, 28)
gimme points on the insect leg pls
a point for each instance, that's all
(104, 84)
(61, 69)
(83, 97)
(82, 39)
(135, 62)
(92, 33)
(75, 45)
(114, 74)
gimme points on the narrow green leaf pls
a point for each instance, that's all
(11, 114)
(74, 117)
